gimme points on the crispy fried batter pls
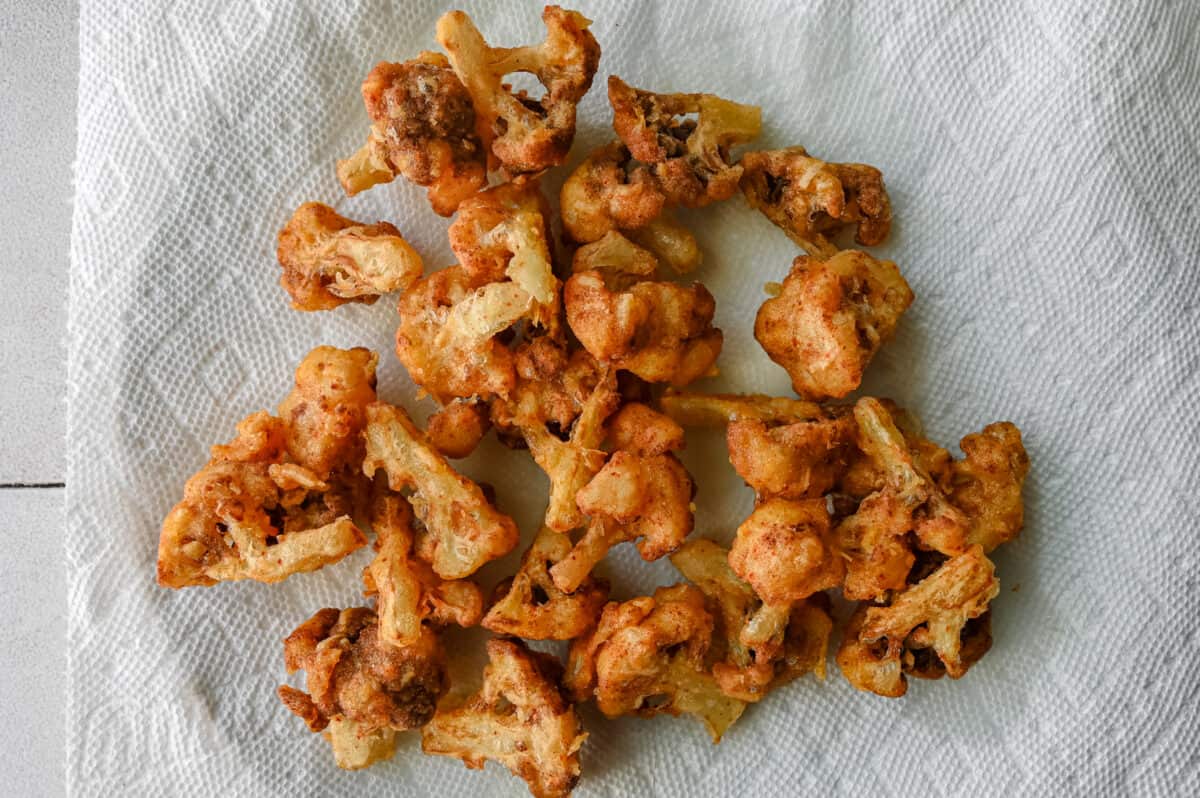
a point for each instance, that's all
(865, 475)
(462, 530)
(689, 158)
(605, 193)
(717, 410)
(359, 687)
(504, 233)
(524, 133)
(638, 429)
(529, 605)
(830, 319)
(519, 718)
(755, 660)
(278, 499)
(638, 494)
(407, 590)
(456, 429)
(559, 396)
(876, 538)
(647, 656)
(811, 199)
(329, 260)
(610, 192)
(442, 348)
(931, 616)
(450, 321)
(422, 127)
(620, 261)
(505, 223)
(785, 551)
(325, 413)
(800, 459)
(987, 484)
(662, 332)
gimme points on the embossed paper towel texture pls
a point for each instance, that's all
(1043, 159)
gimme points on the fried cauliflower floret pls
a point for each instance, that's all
(447, 336)
(451, 321)
(502, 234)
(329, 260)
(874, 540)
(462, 530)
(785, 551)
(605, 193)
(830, 319)
(930, 615)
(717, 410)
(559, 408)
(867, 475)
(811, 199)
(407, 591)
(422, 127)
(987, 484)
(640, 493)
(326, 412)
(755, 659)
(938, 524)
(908, 509)
(529, 605)
(525, 134)
(639, 429)
(519, 718)
(495, 226)
(690, 158)
(278, 499)
(573, 463)
(800, 459)
(360, 688)
(661, 332)
(456, 429)
(620, 261)
(647, 656)
(609, 193)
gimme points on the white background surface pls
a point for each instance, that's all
(38, 72)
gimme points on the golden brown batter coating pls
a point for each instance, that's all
(423, 126)
(932, 616)
(461, 529)
(610, 192)
(762, 649)
(830, 318)
(279, 498)
(690, 158)
(329, 260)
(558, 408)
(519, 718)
(662, 332)
(531, 606)
(407, 591)
(640, 493)
(648, 656)
(359, 687)
(524, 134)
(811, 199)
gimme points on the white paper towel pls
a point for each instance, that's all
(1043, 160)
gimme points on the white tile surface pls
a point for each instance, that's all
(33, 659)
(38, 73)
(39, 63)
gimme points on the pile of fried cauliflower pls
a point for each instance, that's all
(584, 361)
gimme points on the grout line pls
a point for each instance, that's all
(19, 485)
